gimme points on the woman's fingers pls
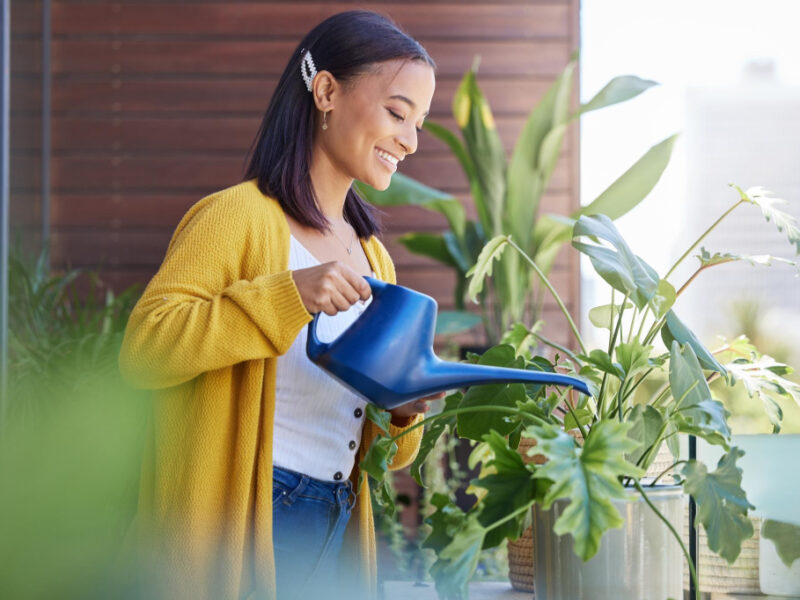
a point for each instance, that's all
(330, 288)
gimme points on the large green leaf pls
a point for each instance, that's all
(431, 245)
(445, 521)
(510, 486)
(675, 330)
(477, 424)
(432, 434)
(633, 185)
(620, 267)
(769, 208)
(588, 477)
(646, 423)
(526, 180)
(483, 267)
(695, 411)
(721, 503)
(457, 561)
(619, 89)
(605, 316)
(633, 357)
(474, 118)
(786, 537)
(522, 338)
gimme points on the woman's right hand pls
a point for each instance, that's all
(330, 287)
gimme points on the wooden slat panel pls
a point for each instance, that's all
(498, 58)
(212, 173)
(234, 96)
(293, 20)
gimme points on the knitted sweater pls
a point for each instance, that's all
(205, 336)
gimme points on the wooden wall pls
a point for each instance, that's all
(155, 104)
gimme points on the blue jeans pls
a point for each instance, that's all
(308, 521)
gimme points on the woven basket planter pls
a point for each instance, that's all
(520, 552)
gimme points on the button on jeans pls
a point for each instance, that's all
(308, 521)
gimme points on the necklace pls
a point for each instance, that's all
(352, 238)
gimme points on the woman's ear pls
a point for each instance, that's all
(325, 87)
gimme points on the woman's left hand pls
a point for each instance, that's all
(403, 414)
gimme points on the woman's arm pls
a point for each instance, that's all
(198, 314)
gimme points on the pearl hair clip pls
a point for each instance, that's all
(308, 70)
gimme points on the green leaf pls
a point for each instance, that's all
(786, 537)
(376, 460)
(475, 425)
(584, 417)
(769, 208)
(450, 322)
(762, 377)
(483, 267)
(526, 180)
(617, 90)
(431, 245)
(522, 338)
(695, 411)
(605, 316)
(663, 299)
(620, 267)
(382, 418)
(432, 434)
(457, 561)
(510, 486)
(601, 360)
(646, 423)
(444, 522)
(721, 503)
(460, 152)
(675, 330)
(634, 185)
(633, 357)
(709, 260)
(588, 476)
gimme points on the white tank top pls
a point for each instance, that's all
(318, 421)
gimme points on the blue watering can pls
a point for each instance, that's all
(386, 356)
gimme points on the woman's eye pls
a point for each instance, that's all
(396, 116)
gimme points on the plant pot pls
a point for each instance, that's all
(639, 561)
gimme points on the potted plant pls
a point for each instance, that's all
(507, 194)
(598, 449)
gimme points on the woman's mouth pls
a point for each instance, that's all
(387, 159)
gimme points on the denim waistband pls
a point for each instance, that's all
(336, 492)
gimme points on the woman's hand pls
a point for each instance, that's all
(405, 413)
(330, 287)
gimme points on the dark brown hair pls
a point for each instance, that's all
(347, 45)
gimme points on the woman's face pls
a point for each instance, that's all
(375, 121)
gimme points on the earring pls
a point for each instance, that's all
(325, 120)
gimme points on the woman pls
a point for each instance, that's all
(252, 462)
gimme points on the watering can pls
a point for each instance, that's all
(386, 356)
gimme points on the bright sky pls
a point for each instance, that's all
(678, 43)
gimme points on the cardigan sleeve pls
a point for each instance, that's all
(197, 314)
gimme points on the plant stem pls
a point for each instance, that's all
(550, 287)
(675, 535)
(668, 469)
(510, 516)
(690, 280)
(575, 417)
(700, 239)
(557, 346)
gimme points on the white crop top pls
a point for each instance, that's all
(318, 421)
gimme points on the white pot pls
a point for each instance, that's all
(640, 561)
(774, 577)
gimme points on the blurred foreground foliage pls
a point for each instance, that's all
(71, 439)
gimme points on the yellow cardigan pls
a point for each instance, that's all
(205, 336)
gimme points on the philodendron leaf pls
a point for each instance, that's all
(769, 208)
(663, 299)
(619, 267)
(510, 486)
(675, 330)
(457, 561)
(786, 537)
(444, 522)
(721, 503)
(633, 357)
(601, 360)
(694, 410)
(522, 338)
(483, 267)
(477, 424)
(709, 260)
(762, 376)
(376, 460)
(605, 316)
(588, 476)
(432, 434)
(646, 423)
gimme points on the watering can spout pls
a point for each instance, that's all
(386, 356)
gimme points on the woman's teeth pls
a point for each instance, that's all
(386, 156)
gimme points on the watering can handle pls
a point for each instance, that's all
(314, 347)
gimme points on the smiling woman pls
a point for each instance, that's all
(251, 484)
